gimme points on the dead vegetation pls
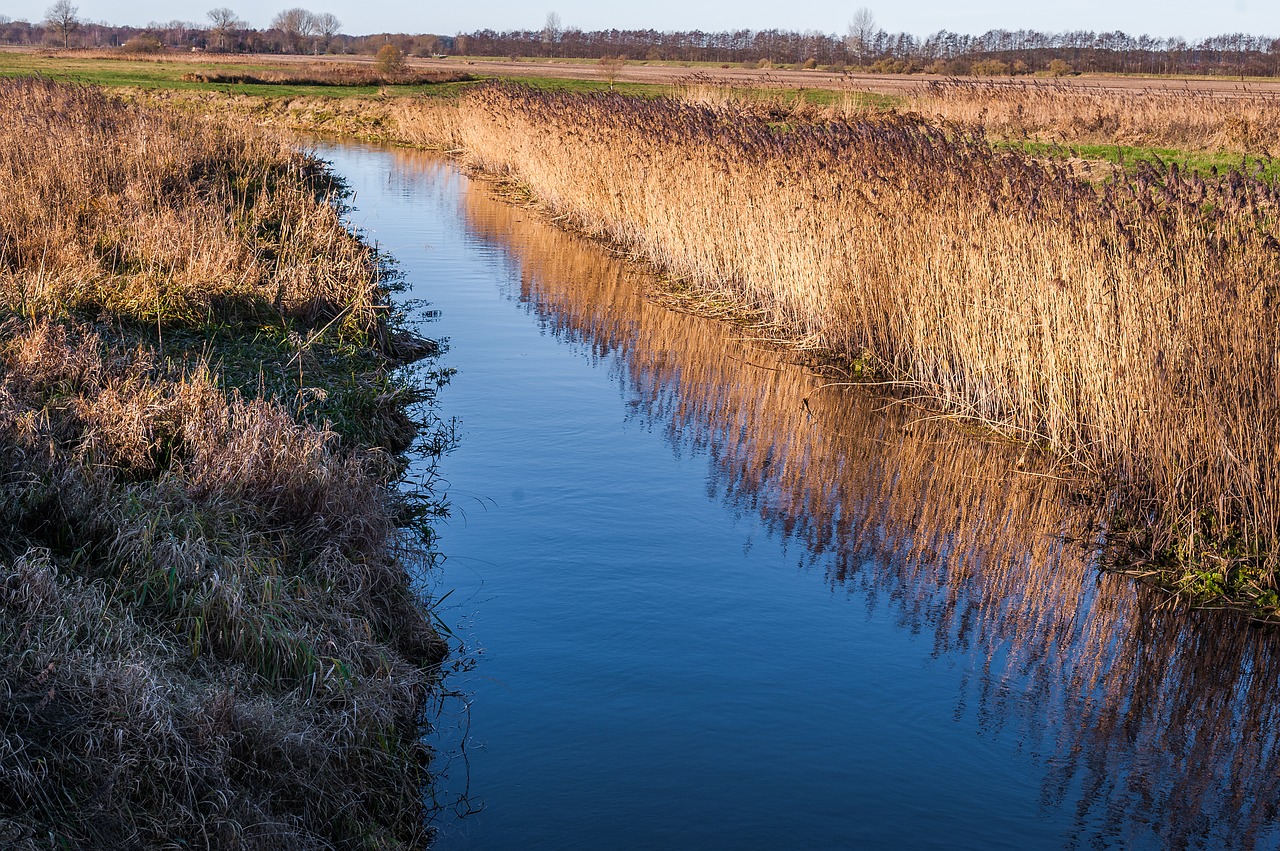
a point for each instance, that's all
(1245, 122)
(208, 635)
(1126, 328)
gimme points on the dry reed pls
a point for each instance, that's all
(208, 636)
(1244, 122)
(961, 539)
(1128, 329)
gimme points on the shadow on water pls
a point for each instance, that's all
(1151, 724)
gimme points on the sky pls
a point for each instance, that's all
(1187, 18)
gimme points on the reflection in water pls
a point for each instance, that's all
(1152, 724)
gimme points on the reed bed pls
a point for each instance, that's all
(1245, 122)
(1128, 329)
(963, 540)
(1064, 113)
(208, 636)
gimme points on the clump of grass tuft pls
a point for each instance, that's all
(208, 631)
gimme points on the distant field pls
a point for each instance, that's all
(668, 73)
(166, 71)
(1202, 124)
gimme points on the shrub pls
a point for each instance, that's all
(990, 68)
(143, 43)
(390, 59)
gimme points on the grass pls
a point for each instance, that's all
(1126, 328)
(186, 74)
(552, 84)
(208, 632)
(1245, 123)
(1131, 158)
(1201, 132)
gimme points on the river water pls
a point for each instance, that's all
(711, 601)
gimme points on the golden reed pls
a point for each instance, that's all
(1130, 328)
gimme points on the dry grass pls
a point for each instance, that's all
(209, 636)
(1129, 329)
(963, 540)
(1244, 122)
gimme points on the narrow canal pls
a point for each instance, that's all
(713, 603)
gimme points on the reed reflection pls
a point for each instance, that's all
(1154, 724)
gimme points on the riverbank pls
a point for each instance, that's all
(1123, 326)
(211, 634)
(1116, 317)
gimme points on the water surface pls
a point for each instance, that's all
(716, 602)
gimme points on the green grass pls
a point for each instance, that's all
(1130, 157)
(555, 84)
(151, 73)
(167, 74)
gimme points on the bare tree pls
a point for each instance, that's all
(176, 32)
(862, 33)
(551, 33)
(223, 25)
(612, 65)
(65, 18)
(296, 24)
(327, 26)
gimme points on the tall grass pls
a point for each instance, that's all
(1244, 122)
(1128, 329)
(961, 539)
(1186, 120)
(208, 636)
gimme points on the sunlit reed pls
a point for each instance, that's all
(1128, 328)
(1156, 723)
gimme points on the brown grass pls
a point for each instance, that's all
(961, 539)
(207, 628)
(1128, 329)
(1246, 122)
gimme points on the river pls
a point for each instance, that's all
(712, 601)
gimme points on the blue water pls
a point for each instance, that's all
(708, 602)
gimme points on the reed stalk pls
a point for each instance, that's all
(1128, 328)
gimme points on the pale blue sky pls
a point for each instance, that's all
(1187, 18)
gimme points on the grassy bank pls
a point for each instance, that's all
(263, 76)
(208, 636)
(1127, 328)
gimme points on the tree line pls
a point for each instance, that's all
(868, 47)
(296, 30)
(864, 45)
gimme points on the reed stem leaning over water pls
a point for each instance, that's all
(1128, 327)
